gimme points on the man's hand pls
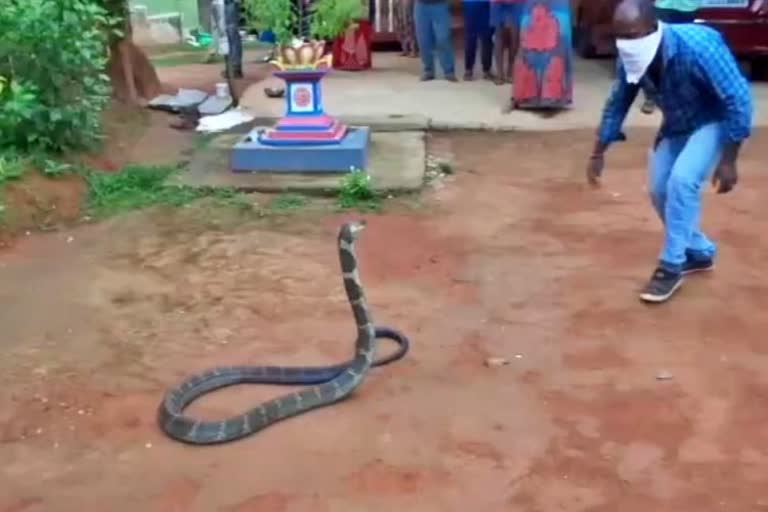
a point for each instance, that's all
(725, 177)
(595, 169)
(760, 7)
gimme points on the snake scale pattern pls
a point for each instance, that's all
(327, 384)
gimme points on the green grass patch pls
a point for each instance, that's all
(12, 167)
(184, 59)
(137, 186)
(288, 202)
(164, 49)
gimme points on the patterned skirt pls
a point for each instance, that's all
(544, 65)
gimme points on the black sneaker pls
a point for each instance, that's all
(427, 77)
(648, 106)
(692, 266)
(662, 286)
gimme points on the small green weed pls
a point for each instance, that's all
(11, 167)
(288, 202)
(445, 167)
(356, 192)
(52, 168)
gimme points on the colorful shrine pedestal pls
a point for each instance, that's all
(305, 121)
(305, 139)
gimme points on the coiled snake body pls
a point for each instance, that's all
(329, 384)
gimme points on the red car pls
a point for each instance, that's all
(745, 29)
(744, 24)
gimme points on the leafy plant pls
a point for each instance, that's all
(331, 18)
(289, 19)
(357, 192)
(282, 17)
(52, 59)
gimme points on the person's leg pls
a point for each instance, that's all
(413, 47)
(232, 21)
(649, 105)
(422, 17)
(692, 169)
(486, 40)
(441, 24)
(663, 284)
(514, 41)
(398, 22)
(502, 42)
(471, 34)
(686, 248)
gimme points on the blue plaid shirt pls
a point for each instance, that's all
(701, 83)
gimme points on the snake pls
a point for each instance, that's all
(325, 385)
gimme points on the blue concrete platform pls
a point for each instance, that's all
(249, 155)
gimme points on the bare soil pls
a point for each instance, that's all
(512, 256)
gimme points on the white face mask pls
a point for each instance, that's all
(637, 54)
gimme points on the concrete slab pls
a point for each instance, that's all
(397, 164)
(250, 155)
(390, 96)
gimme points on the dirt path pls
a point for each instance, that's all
(513, 258)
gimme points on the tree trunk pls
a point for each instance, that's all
(134, 78)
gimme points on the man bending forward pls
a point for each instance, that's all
(707, 107)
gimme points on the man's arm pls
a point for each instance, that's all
(615, 112)
(720, 70)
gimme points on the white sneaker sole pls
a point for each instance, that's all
(657, 299)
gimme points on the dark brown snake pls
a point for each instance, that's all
(328, 384)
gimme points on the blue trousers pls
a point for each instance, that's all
(680, 166)
(433, 32)
(477, 25)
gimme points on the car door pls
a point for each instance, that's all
(745, 30)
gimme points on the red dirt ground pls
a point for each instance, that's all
(513, 257)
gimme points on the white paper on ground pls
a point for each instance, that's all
(224, 121)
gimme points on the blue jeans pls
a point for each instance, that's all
(433, 32)
(477, 25)
(679, 168)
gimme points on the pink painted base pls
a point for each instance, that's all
(287, 130)
(305, 122)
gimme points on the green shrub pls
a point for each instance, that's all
(357, 192)
(323, 20)
(52, 59)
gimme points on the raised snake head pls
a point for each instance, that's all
(350, 231)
